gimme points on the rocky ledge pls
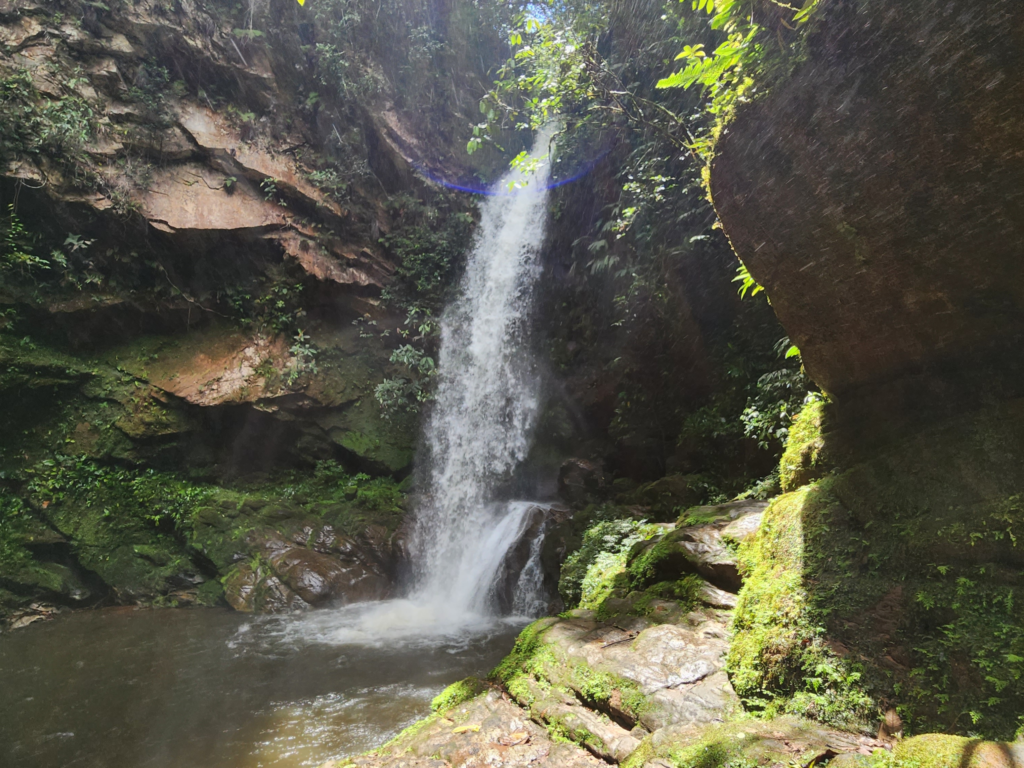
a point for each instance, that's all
(639, 681)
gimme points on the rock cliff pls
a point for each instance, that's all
(876, 195)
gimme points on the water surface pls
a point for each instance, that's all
(208, 688)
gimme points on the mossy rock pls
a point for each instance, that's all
(780, 742)
(893, 583)
(458, 693)
(534, 661)
(805, 459)
(935, 750)
(132, 557)
(363, 431)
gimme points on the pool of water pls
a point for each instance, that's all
(208, 688)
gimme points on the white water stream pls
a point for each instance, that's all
(222, 689)
(488, 397)
(479, 431)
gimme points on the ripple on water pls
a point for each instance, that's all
(205, 688)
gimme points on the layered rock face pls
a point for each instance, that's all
(200, 221)
(216, 204)
(877, 195)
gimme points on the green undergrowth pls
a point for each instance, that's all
(614, 573)
(589, 573)
(141, 530)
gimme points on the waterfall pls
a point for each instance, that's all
(486, 404)
(467, 538)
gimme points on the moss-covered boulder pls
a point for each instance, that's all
(892, 583)
(783, 741)
(941, 751)
(804, 459)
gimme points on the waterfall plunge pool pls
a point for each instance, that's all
(215, 689)
(210, 688)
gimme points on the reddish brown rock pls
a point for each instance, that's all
(878, 195)
(319, 578)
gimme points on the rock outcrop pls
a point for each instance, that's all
(876, 194)
(642, 688)
(489, 730)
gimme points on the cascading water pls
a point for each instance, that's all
(479, 431)
(487, 401)
(366, 669)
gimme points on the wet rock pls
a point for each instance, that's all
(582, 480)
(256, 590)
(319, 578)
(30, 615)
(485, 731)
(517, 557)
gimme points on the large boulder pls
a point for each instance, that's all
(319, 578)
(878, 196)
(876, 191)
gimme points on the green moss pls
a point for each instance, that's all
(406, 735)
(640, 756)
(941, 751)
(685, 591)
(529, 642)
(785, 741)
(588, 573)
(896, 580)
(458, 693)
(563, 731)
(210, 593)
(362, 430)
(647, 566)
(598, 688)
(138, 530)
(804, 458)
(779, 648)
(534, 668)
